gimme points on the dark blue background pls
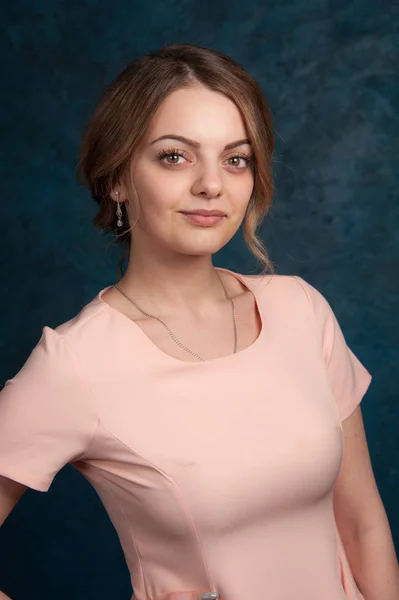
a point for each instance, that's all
(329, 70)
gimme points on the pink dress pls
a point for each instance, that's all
(217, 475)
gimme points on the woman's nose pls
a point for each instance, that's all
(208, 183)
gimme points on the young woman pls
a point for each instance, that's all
(216, 414)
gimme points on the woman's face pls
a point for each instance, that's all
(203, 161)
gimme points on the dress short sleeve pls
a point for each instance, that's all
(46, 418)
(349, 378)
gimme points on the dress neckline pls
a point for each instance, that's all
(171, 359)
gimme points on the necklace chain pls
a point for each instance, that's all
(172, 335)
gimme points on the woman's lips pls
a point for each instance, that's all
(202, 220)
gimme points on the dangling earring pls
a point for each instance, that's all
(118, 211)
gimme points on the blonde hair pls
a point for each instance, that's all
(123, 114)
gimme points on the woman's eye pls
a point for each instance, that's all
(171, 157)
(239, 161)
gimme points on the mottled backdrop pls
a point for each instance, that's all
(330, 71)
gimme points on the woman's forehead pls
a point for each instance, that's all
(199, 114)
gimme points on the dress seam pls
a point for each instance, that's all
(80, 372)
(337, 549)
(298, 279)
(129, 527)
(326, 363)
(184, 505)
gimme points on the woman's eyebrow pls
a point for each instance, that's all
(189, 142)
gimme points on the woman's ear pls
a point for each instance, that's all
(122, 187)
(119, 192)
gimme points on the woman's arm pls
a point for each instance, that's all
(10, 492)
(361, 518)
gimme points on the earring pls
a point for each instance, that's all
(118, 211)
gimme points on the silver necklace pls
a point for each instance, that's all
(172, 335)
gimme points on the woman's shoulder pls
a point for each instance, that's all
(286, 292)
(276, 283)
(88, 327)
